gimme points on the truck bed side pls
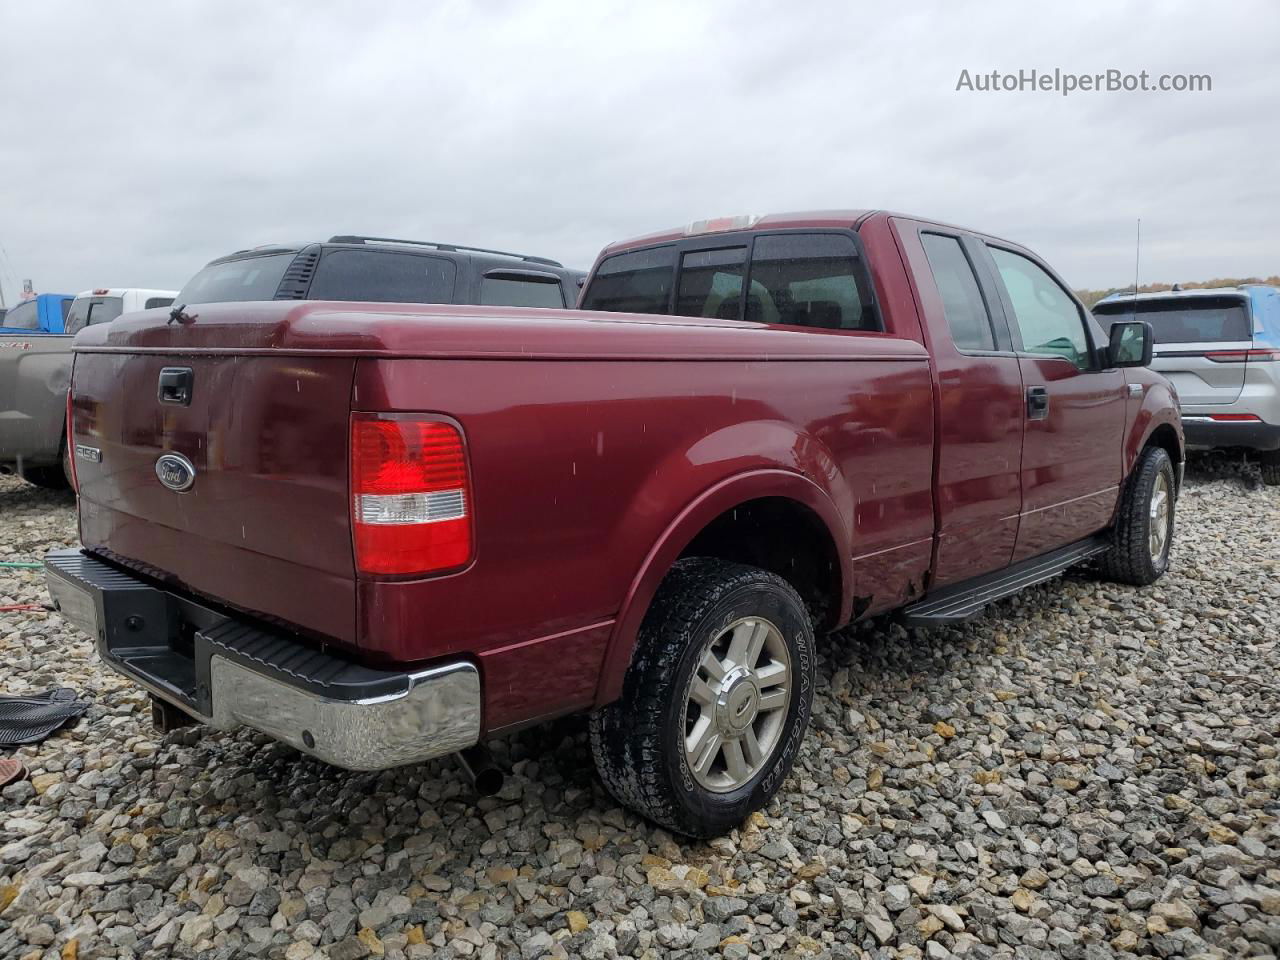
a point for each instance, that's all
(34, 373)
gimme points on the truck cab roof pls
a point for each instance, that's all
(812, 219)
(146, 292)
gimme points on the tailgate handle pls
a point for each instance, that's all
(175, 385)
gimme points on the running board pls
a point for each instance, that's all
(964, 601)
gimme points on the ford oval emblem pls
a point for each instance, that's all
(176, 472)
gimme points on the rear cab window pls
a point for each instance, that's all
(638, 281)
(711, 283)
(1194, 319)
(240, 280)
(25, 316)
(806, 279)
(103, 310)
(809, 280)
(515, 291)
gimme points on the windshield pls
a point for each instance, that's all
(77, 314)
(250, 278)
(1185, 320)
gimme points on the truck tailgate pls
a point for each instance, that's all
(264, 525)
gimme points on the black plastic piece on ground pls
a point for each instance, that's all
(31, 719)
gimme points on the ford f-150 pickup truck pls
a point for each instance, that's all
(383, 533)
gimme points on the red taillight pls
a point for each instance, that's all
(1234, 417)
(71, 447)
(410, 495)
(1240, 356)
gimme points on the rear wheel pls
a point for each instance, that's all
(715, 702)
(1143, 534)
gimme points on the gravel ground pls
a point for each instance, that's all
(1089, 771)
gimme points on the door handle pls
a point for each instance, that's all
(1037, 403)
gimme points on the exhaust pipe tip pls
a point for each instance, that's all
(485, 776)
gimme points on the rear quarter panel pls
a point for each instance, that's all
(585, 471)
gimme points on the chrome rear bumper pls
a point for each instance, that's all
(226, 672)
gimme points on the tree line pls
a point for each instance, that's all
(1090, 297)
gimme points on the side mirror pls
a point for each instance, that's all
(1132, 343)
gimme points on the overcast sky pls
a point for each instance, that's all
(139, 141)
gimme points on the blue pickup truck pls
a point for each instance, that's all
(45, 313)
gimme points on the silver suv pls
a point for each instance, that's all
(1221, 349)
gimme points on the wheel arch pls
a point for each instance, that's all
(708, 523)
(1166, 438)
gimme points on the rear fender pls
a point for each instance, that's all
(728, 493)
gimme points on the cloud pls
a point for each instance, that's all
(137, 148)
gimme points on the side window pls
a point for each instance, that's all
(962, 302)
(381, 276)
(635, 282)
(519, 292)
(104, 310)
(809, 280)
(153, 302)
(711, 283)
(1048, 319)
(66, 309)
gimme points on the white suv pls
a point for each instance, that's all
(1221, 349)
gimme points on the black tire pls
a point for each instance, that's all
(1269, 466)
(1130, 559)
(639, 741)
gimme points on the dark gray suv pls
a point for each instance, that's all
(384, 270)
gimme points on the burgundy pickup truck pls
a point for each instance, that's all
(383, 533)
